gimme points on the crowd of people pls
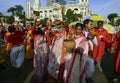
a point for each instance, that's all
(65, 55)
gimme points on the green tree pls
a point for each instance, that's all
(111, 17)
(69, 15)
(19, 8)
(11, 10)
(72, 17)
(10, 19)
(19, 11)
(29, 19)
(43, 21)
(16, 11)
(36, 13)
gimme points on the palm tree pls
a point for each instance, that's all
(12, 10)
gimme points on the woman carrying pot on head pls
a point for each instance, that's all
(76, 63)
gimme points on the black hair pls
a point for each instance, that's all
(31, 24)
(11, 29)
(86, 21)
(78, 24)
(39, 31)
(100, 22)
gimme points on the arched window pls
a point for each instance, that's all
(40, 11)
(45, 11)
(76, 9)
(50, 10)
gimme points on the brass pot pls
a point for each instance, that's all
(69, 44)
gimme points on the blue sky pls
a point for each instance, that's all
(100, 7)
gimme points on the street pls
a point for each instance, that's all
(26, 73)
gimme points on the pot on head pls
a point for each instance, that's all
(69, 44)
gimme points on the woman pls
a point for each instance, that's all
(16, 47)
(76, 64)
(29, 40)
(41, 51)
(6, 40)
(56, 62)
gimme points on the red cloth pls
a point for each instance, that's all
(49, 36)
(117, 53)
(72, 30)
(45, 29)
(16, 38)
(108, 44)
(98, 51)
(26, 29)
(66, 30)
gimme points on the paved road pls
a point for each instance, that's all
(26, 73)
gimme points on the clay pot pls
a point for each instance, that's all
(69, 44)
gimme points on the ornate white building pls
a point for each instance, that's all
(54, 12)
